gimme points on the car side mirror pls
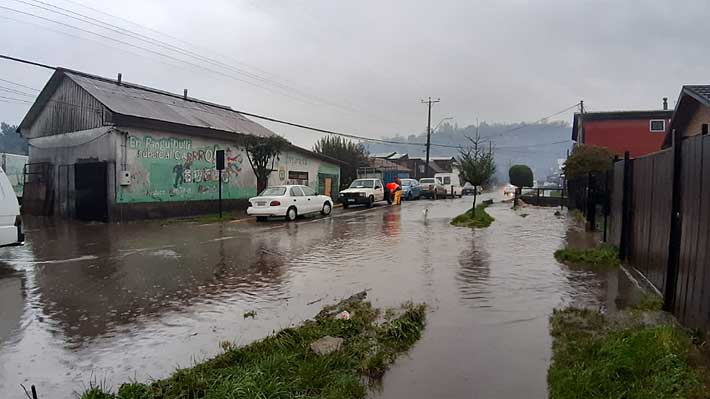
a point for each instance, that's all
(378, 187)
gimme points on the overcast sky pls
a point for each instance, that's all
(363, 66)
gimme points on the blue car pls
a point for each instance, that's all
(411, 189)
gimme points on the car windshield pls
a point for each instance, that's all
(407, 182)
(362, 184)
(276, 191)
(427, 181)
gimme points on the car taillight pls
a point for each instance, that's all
(274, 203)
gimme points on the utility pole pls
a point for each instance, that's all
(429, 102)
(581, 122)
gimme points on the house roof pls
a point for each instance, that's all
(383, 155)
(398, 156)
(690, 97)
(137, 101)
(618, 115)
(386, 164)
(451, 158)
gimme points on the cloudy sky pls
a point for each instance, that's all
(363, 66)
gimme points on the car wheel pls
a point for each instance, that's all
(370, 201)
(291, 214)
(346, 206)
(326, 209)
(261, 218)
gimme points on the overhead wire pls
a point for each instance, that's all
(156, 42)
(267, 118)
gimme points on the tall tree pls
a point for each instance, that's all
(587, 158)
(10, 140)
(262, 153)
(476, 165)
(353, 155)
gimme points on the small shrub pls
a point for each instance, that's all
(601, 256)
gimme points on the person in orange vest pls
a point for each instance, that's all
(395, 190)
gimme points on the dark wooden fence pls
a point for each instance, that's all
(670, 251)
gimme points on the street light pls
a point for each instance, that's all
(448, 118)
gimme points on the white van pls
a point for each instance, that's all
(451, 182)
(10, 221)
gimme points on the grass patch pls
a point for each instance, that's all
(601, 256)
(577, 216)
(251, 313)
(593, 357)
(480, 220)
(649, 302)
(284, 366)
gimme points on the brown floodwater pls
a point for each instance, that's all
(109, 303)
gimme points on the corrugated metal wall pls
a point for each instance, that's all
(69, 109)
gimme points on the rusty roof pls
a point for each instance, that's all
(138, 101)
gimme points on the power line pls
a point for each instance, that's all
(156, 42)
(262, 117)
(13, 91)
(18, 84)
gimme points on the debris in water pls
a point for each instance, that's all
(251, 313)
(344, 315)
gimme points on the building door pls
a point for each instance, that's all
(91, 191)
(327, 186)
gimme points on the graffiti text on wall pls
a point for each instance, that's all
(170, 168)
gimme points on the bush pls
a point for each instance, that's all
(520, 176)
(587, 158)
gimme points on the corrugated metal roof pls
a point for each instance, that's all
(143, 102)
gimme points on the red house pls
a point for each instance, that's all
(639, 132)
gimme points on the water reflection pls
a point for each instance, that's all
(12, 301)
(472, 277)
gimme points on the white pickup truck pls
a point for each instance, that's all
(363, 191)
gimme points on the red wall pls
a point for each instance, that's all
(634, 136)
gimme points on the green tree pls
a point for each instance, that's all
(353, 155)
(587, 158)
(520, 176)
(10, 140)
(262, 153)
(476, 165)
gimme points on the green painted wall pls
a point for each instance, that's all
(175, 168)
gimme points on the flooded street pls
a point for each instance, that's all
(135, 301)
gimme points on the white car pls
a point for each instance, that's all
(363, 191)
(288, 201)
(509, 190)
(10, 220)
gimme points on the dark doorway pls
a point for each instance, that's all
(91, 191)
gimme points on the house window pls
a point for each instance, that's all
(294, 175)
(658, 125)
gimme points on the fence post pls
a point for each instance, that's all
(676, 226)
(590, 206)
(606, 203)
(625, 208)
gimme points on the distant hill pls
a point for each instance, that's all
(536, 145)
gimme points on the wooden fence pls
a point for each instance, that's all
(660, 219)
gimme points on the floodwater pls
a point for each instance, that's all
(111, 303)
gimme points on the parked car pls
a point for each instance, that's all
(363, 191)
(432, 188)
(509, 190)
(469, 189)
(288, 201)
(451, 183)
(10, 219)
(411, 189)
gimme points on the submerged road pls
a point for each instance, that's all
(111, 303)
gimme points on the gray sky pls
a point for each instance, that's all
(362, 66)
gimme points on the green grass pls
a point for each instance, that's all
(577, 216)
(480, 220)
(595, 358)
(284, 366)
(601, 256)
(649, 302)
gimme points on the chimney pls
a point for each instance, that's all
(119, 78)
(665, 103)
(184, 96)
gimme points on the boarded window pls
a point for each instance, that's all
(294, 175)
